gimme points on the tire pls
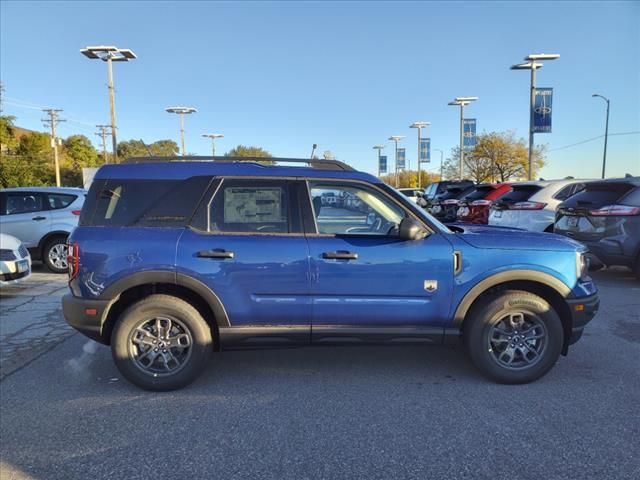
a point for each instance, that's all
(54, 254)
(492, 340)
(147, 359)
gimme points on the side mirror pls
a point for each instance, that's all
(411, 230)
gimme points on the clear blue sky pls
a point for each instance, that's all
(344, 75)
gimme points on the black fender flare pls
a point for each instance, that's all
(148, 277)
(504, 277)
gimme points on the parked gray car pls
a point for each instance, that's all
(42, 218)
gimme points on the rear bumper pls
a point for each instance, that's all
(582, 312)
(86, 316)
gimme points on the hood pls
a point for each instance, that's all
(483, 236)
(7, 242)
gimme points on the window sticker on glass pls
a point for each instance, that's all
(249, 205)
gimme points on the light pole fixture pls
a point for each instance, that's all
(396, 139)
(462, 102)
(419, 126)
(533, 64)
(110, 54)
(379, 148)
(182, 111)
(441, 154)
(213, 137)
(606, 133)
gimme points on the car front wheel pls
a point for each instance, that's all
(161, 343)
(513, 337)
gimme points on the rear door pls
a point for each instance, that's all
(25, 216)
(362, 274)
(62, 218)
(250, 250)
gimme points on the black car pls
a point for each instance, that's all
(605, 217)
(445, 205)
(438, 188)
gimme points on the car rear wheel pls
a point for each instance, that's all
(54, 255)
(513, 337)
(161, 343)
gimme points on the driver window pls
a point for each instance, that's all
(352, 209)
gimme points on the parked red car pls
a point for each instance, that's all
(475, 208)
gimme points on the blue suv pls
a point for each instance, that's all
(174, 259)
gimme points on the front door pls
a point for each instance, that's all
(25, 216)
(252, 254)
(362, 274)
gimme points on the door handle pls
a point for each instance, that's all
(217, 253)
(37, 219)
(340, 255)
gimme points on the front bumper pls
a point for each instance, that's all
(582, 312)
(86, 316)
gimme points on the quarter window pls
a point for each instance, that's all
(353, 210)
(60, 200)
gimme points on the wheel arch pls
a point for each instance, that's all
(52, 234)
(542, 284)
(135, 287)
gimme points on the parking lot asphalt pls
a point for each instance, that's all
(331, 412)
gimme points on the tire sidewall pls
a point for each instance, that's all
(495, 308)
(154, 306)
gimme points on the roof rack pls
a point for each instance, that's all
(315, 163)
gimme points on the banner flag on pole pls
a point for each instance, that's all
(383, 164)
(425, 150)
(469, 133)
(542, 110)
(401, 159)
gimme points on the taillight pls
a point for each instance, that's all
(73, 260)
(481, 203)
(527, 206)
(615, 211)
(76, 212)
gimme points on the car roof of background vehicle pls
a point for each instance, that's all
(179, 168)
(74, 190)
(628, 180)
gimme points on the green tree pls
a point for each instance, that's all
(78, 152)
(136, 148)
(32, 163)
(8, 140)
(242, 151)
(409, 178)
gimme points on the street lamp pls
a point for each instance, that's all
(461, 102)
(379, 148)
(396, 139)
(532, 65)
(110, 54)
(606, 133)
(213, 137)
(438, 150)
(419, 126)
(182, 111)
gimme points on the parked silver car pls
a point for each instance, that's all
(42, 218)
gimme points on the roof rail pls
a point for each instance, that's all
(315, 163)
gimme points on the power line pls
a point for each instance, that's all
(591, 140)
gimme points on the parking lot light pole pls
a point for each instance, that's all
(461, 102)
(419, 126)
(438, 150)
(533, 65)
(379, 148)
(182, 111)
(110, 54)
(396, 139)
(606, 133)
(213, 137)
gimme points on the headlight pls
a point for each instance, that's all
(582, 266)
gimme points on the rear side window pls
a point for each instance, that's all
(479, 193)
(519, 193)
(632, 198)
(251, 206)
(142, 203)
(60, 200)
(22, 202)
(569, 190)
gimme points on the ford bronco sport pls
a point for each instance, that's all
(174, 259)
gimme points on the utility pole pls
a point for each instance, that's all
(103, 133)
(53, 123)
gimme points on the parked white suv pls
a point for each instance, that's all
(42, 218)
(532, 205)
